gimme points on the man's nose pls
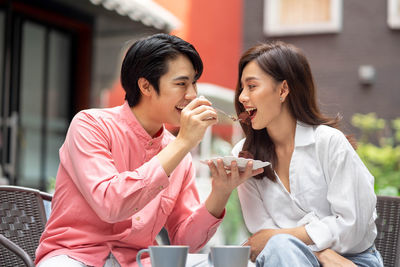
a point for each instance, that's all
(191, 92)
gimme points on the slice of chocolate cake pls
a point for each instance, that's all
(244, 118)
(245, 154)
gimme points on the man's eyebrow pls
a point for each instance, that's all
(181, 78)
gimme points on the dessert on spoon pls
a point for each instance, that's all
(243, 117)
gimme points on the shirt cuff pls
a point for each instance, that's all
(203, 219)
(320, 234)
(206, 218)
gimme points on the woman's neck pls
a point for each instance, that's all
(282, 130)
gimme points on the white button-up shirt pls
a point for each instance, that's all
(331, 193)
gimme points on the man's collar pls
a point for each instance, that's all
(137, 127)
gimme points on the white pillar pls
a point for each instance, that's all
(205, 152)
(237, 133)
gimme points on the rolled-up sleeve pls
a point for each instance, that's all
(190, 223)
(351, 197)
(87, 158)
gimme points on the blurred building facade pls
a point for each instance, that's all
(353, 48)
(56, 57)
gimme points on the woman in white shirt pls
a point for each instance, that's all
(316, 205)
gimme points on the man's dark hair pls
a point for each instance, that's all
(148, 58)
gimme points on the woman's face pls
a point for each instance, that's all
(260, 96)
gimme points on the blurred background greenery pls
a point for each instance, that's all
(233, 226)
(379, 149)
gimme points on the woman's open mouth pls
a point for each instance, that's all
(252, 112)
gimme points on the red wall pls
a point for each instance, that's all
(215, 29)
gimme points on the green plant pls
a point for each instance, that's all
(382, 158)
(233, 222)
(51, 184)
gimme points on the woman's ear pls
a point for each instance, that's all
(284, 91)
(144, 86)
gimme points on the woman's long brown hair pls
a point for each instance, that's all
(282, 62)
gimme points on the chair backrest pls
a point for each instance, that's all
(388, 223)
(14, 248)
(22, 220)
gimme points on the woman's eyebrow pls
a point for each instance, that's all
(250, 79)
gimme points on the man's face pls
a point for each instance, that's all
(177, 89)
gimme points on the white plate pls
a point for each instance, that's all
(240, 161)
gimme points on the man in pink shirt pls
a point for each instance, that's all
(123, 176)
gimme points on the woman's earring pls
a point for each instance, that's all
(281, 99)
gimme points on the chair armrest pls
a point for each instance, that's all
(11, 246)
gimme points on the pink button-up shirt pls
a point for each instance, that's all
(112, 194)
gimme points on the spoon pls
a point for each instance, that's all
(243, 117)
(233, 118)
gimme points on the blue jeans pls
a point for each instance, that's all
(286, 250)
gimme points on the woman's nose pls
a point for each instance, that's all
(243, 97)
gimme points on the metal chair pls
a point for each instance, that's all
(14, 248)
(22, 221)
(388, 223)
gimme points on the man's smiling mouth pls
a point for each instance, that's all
(180, 107)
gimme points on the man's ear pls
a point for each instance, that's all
(144, 86)
(284, 90)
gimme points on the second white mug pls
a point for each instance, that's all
(232, 256)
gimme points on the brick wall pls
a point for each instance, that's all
(335, 58)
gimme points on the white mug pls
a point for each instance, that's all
(165, 256)
(232, 256)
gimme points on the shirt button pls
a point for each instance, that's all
(161, 187)
(136, 209)
(150, 143)
(138, 218)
